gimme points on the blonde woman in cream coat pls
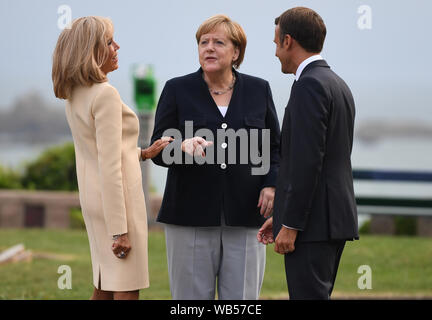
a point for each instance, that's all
(105, 133)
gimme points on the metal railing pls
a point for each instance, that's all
(387, 205)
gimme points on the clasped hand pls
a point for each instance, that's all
(121, 246)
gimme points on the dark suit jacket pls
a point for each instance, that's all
(314, 190)
(196, 195)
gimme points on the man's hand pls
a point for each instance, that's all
(265, 233)
(195, 146)
(285, 240)
(265, 201)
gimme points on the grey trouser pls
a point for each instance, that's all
(198, 257)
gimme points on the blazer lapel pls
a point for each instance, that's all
(207, 95)
(235, 97)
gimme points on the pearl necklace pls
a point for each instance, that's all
(219, 92)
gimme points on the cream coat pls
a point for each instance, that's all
(105, 133)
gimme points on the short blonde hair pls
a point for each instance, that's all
(234, 31)
(79, 55)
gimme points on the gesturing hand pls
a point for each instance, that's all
(265, 201)
(195, 146)
(121, 246)
(265, 233)
(156, 148)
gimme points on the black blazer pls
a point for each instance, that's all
(314, 190)
(197, 194)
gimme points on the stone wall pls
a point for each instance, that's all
(385, 224)
(48, 209)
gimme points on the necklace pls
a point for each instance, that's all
(219, 92)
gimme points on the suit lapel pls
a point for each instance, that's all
(286, 119)
(310, 66)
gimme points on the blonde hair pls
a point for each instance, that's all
(234, 31)
(79, 55)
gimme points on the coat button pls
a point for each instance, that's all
(224, 145)
(224, 125)
(223, 166)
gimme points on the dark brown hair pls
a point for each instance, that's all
(305, 26)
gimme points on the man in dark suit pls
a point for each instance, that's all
(314, 210)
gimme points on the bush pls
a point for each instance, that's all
(9, 179)
(54, 169)
(76, 219)
(365, 228)
(406, 226)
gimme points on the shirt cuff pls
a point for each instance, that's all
(291, 228)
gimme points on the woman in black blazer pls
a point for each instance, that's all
(213, 210)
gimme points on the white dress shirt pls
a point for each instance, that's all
(305, 63)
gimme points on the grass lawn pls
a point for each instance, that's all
(401, 267)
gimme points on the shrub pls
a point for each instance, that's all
(76, 219)
(365, 227)
(54, 169)
(406, 225)
(9, 179)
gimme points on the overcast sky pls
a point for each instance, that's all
(387, 66)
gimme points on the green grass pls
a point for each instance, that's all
(401, 266)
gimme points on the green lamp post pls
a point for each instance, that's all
(144, 88)
(144, 84)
